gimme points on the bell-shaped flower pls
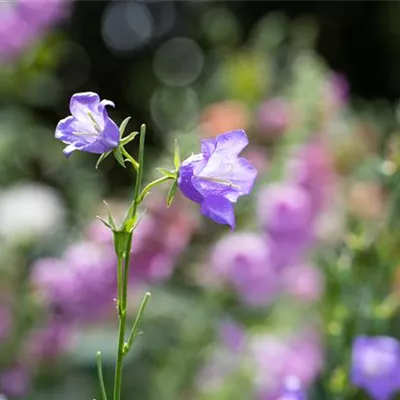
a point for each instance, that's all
(217, 177)
(376, 366)
(89, 128)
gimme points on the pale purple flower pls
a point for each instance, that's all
(23, 22)
(376, 366)
(273, 116)
(276, 359)
(42, 13)
(292, 390)
(89, 128)
(312, 169)
(46, 343)
(81, 285)
(15, 381)
(304, 282)
(232, 334)
(217, 177)
(284, 208)
(243, 260)
(284, 211)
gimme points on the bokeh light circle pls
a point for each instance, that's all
(178, 62)
(126, 26)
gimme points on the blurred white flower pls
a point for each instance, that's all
(28, 211)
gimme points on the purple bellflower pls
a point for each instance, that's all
(376, 366)
(217, 176)
(88, 128)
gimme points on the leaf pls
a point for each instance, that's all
(118, 156)
(166, 172)
(177, 155)
(109, 215)
(171, 193)
(123, 125)
(102, 158)
(129, 138)
(104, 222)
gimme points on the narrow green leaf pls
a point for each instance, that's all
(109, 215)
(102, 158)
(171, 193)
(104, 222)
(129, 138)
(166, 172)
(118, 156)
(177, 155)
(123, 125)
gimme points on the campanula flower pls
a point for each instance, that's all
(217, 177)
(376, 366)
(88, 128)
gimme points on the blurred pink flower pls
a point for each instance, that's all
(23, 22)
(15, 381)
(312, 169)
(47, 343)
(303, 282)
(232, 334)
(243, 261)
(273, 117)
(81, 285)
(284, 212)
(276, 359)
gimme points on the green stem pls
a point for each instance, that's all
(130, 158)
(135, 327)
(122, 323)
(148, 187)
(119, 276)
(100, 374)
(124, 282)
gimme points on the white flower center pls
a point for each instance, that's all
(97, 128)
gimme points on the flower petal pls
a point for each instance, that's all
(71, 130)
(82, 102)
(232, 142)
(230, 177)
(219, 209)
(105, 103)
(185, 177)
(208, 147)
(69, 150)
(108, 140)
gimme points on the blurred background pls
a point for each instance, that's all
(314, 261)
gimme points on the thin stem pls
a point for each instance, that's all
(124, 283)
(119, 276)
(148, 187)
(100, 374)
(130, 158)
(118, 364)
(135, 327)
